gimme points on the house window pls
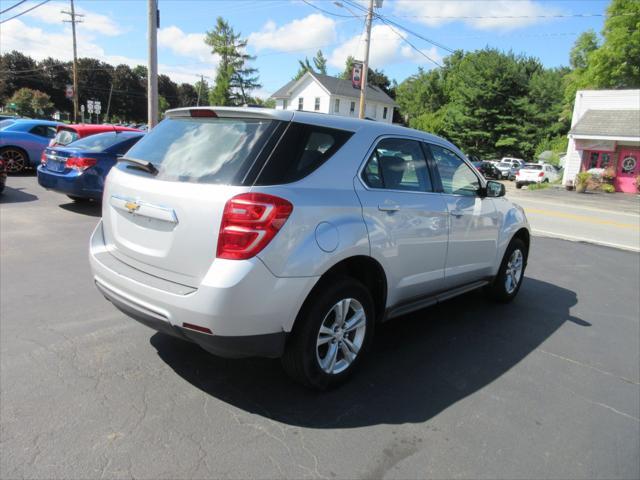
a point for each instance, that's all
(284, 104)
(300, 103)
(352, 108)
(597, 160)
(336, 105)
(316, 106)
(384, 112)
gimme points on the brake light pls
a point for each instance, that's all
(202, 113)
(541, 174)
(80, 163)
(249, 223)
(43, 158)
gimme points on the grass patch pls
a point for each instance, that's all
(538, 186)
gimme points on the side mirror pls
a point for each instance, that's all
(495, 189)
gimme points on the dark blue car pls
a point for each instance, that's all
(79, 169)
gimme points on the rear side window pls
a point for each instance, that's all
(203, 150)
(65, 137)
(301, 150)
(44, 131)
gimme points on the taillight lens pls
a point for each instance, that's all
(541, 174)
(43, 159)
(249, 223)
(80, 163)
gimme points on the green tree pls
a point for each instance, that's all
(163, 106)
(202, 92)
(187, 95)
(235, 79)
(586, 43)
(31, 103)
(320, 63)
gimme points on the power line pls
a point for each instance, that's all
(331, 13)
(561, 15)
(24, 11)
(412, 45)
(12, 7)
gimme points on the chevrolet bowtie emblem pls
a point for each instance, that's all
(132, 206)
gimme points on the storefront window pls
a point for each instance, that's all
(593, 160)
(605, 160)
(598, 160)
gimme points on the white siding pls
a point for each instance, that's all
(309, 89)
(595, 100)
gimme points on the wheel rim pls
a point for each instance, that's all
(514, 271)
(341, 336)
(14, 160)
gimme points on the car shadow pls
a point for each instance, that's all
(419, 364)
(91, 209)
(16, 195)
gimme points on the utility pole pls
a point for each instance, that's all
(109, 101)
(152, 70)
(200, 89)
(73, 22)
(365, 67)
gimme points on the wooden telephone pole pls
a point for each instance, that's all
(73, 22)
(365, 67)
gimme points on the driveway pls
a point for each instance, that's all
(546, 387)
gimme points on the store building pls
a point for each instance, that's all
(605, 134)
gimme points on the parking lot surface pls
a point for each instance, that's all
(546, 387)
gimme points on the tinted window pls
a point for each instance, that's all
(44, 131)
(301, 150)
(123, 147)
(397, 164)
(204, 150)
(456, 176)
(99, 142)
(533, 166)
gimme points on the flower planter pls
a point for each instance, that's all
(580, 188)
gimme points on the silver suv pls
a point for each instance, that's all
(255, 232)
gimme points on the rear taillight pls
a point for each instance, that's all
(249, 223)
(43, 159)
(541, 174)
(80, 163)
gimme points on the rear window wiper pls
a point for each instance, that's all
(140, 165)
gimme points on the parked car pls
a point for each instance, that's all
(70, 133)
(488, 169)
(274, 233)
(3, 175)
(79, 169)
(536, 173)
(22, 142)
(508, 170)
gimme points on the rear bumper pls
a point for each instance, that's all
(87, 184)
(248, 310)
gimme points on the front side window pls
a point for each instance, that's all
(316, 105)
(397, 164)
(300, 103)
(456, 176)
(336, 105)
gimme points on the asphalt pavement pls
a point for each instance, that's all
(546, 387)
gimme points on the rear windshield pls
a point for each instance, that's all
(99, 142)
(65, 137)
(505, 164)
(533, 166)
(203, 150)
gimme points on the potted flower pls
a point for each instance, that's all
(608, 175)
(582, 181)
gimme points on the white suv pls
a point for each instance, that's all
(256, 232)
(536, 173)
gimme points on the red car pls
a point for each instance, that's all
(66, 134)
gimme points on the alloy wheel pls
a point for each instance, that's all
(14, 160)
(341, 336)
(514, 271)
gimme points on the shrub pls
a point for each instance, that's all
(582, 181)
(607, 188)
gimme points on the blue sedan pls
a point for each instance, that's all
(22, 142)
(79, 169)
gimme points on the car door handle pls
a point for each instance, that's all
(388, 207)
(457, 213)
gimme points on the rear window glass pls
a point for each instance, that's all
(65, 137)
(203, 150)
(301, 150)
(533, 166)
(99, 142)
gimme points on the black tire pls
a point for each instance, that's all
(546, 180)
(16, 160)
(518, 185)
(301, 357)
(498, 289)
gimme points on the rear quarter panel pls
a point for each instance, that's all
(32, 144)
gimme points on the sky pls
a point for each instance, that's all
(279, 32)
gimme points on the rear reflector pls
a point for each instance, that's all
(541, 174)
(203, 113)
(43, 158)
(197, 328)
(249, 223)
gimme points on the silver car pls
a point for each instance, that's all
(256, 232)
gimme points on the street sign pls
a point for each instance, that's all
(82, 108)
(356, 75)
(68, 91)
(90, 106)
(97, 106)
(56, 115)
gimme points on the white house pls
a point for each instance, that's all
(314, 92)
(605, 134)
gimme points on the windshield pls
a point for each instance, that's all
(505, 164)
(533, 166)
(206, 150)
(65, 137)
(6, 123)
(99, 142)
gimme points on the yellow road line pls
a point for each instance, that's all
(582, 218)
